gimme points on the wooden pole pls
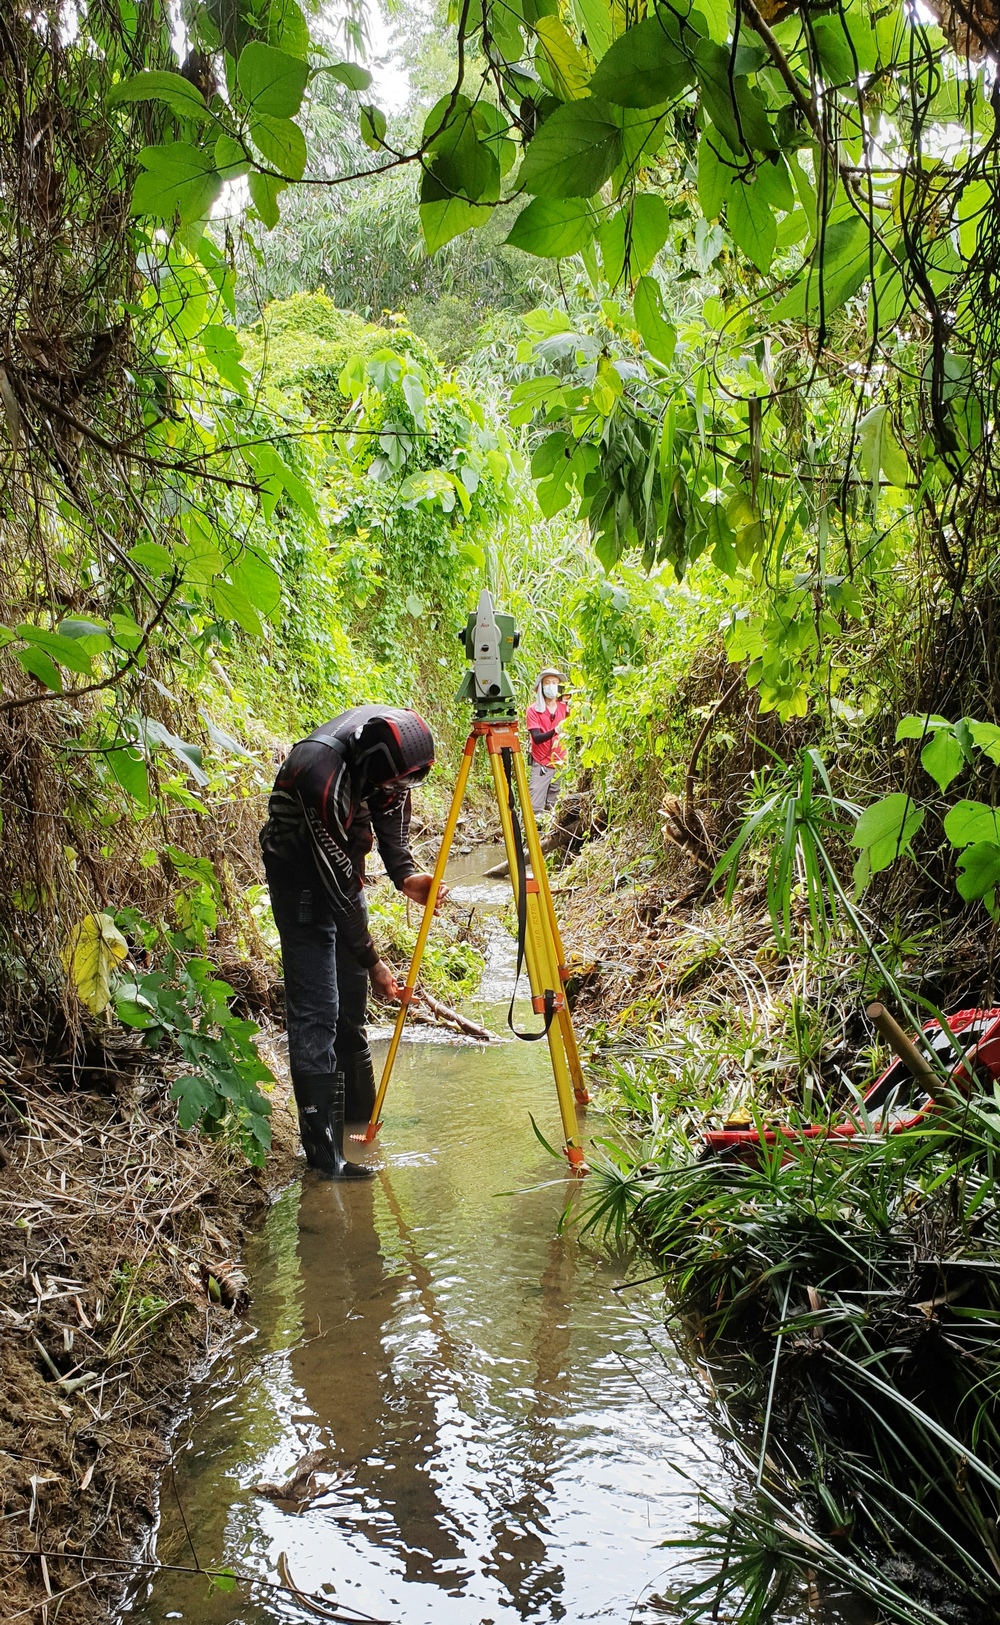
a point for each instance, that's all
(916, 1064)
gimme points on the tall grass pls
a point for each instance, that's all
(846, 1298)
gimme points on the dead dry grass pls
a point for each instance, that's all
(120, 1239)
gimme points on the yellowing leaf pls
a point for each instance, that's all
(562, 56)
(93, 949)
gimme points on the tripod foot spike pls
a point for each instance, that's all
(368, 1136)
(583, 1096)
(577, 1161)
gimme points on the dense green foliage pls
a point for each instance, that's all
(721, 284)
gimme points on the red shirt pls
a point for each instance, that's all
(550, 753)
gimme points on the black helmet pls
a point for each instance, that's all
(385, 745)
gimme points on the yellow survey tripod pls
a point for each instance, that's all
(490, 640)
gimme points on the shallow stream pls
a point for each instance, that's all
(505, 1435)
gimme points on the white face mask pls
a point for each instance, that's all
(550, 690)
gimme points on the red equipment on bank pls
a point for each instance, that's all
(904, 1094)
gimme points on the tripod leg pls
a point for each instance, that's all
(541, 873)
(425, 925)
(542, 972)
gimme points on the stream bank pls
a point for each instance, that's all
(120, 1240)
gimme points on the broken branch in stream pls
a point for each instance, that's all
(451, 1018)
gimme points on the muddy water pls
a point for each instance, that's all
(504, 1435)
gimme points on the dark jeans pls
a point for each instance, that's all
(326, 990)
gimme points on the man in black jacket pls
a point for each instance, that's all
(336, 792)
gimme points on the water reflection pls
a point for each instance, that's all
(468, 1374)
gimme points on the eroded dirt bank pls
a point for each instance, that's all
(119, 1245)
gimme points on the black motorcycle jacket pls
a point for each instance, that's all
(340, 790)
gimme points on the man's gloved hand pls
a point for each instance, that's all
(384, 983)
(417, 889)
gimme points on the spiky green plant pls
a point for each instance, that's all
(848, 1296)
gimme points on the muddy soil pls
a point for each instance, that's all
(119, 1245)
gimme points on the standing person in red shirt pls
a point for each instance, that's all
(546, 715)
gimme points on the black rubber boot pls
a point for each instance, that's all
(359, 1086)
(320, 1101)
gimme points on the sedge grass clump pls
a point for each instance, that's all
(847, 1299)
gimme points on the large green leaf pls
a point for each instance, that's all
(458, 164)
(553, 227)
(287, 27)
(67, 651)
(560, 61)
(493, 127)
(372, 125)
(979, 873)
(272, 81)
(440, 222)
(658, 335)
(649, 231)
(718, 171)
(232, 604)
(179, 180)
(721, 541)
(194, 1097)
(773, 183)
(970, 822)
(596, 22)
(351, 74)
(259, 581)
(986, 737)
(223, 349)
(645, 66)
(751, 223)
(574, 152)
(885, 830)
(611, 237)
(845, 46)
(156, 85)
(152, 556)
(264, 192)
(919, 727)
(733, 105)
(717, 16)
(943, 757)
(189, 756)
(37, 663)
(96, 635)
(129, 769)
(878, 449)
(282, 143)
(839, 265)
(528, 397)
(276, 478)
(231, 159)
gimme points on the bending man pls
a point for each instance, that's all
(336, 792)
